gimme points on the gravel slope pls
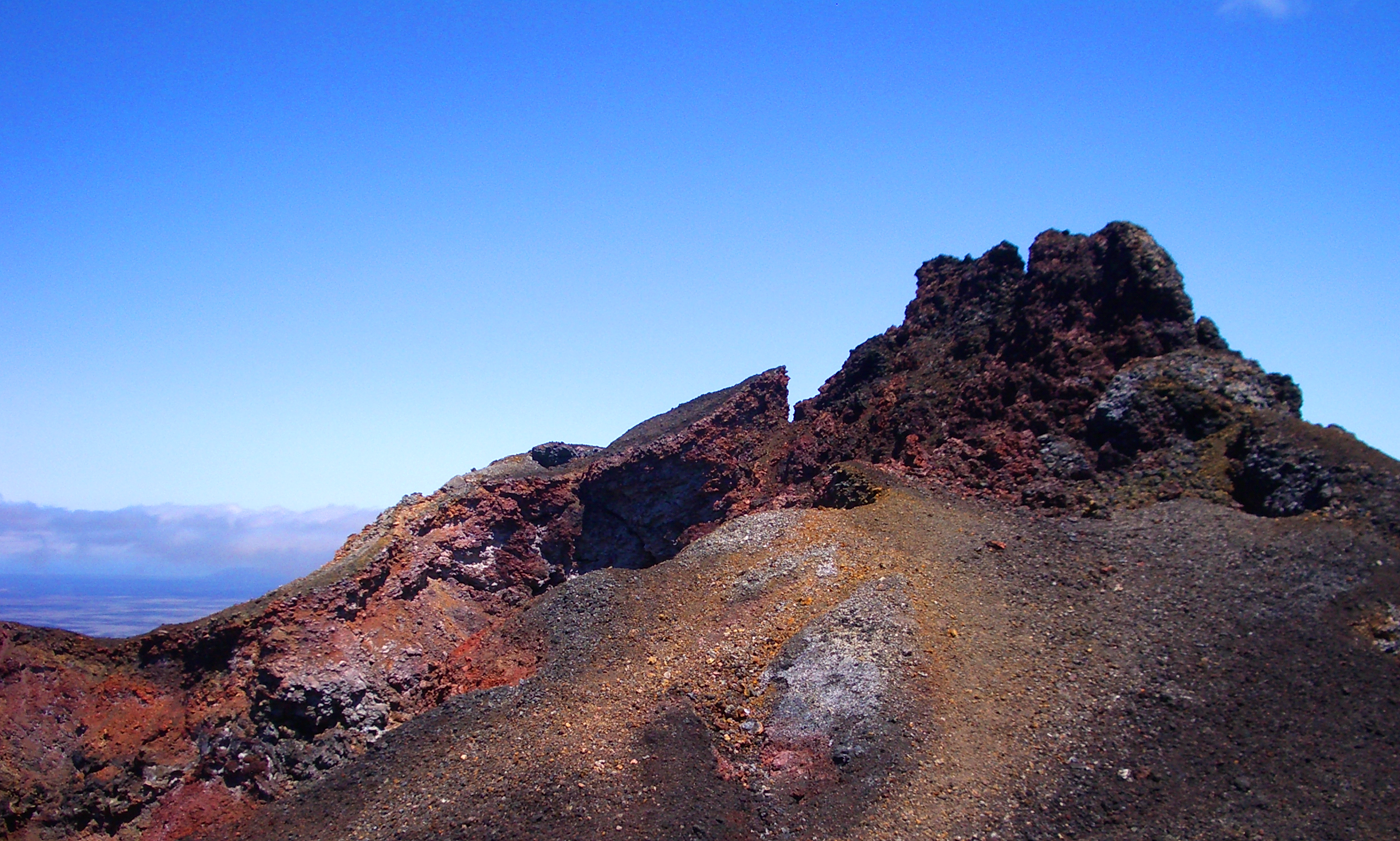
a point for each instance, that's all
(1183, 670)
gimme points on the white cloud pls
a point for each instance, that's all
(172, 540)
(1273, 8)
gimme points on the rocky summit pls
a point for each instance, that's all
(1046, 560)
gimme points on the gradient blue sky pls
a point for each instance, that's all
(299, 254)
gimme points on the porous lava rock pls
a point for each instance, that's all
(557, 453)
(1022, 381)
(1274, 477)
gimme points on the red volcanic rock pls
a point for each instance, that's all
(1023, 381)
(669, 655)
(672, 479)
(187, 725)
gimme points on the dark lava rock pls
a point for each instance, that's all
(1191, 392)
(1063, 459)
(846, 488)
(557, 453)
(1005, 374)
(1208, 335)
(1274, 478)
(677, 476)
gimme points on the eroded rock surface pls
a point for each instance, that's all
(833, 687)
(1025, 381)
(266, 696)
(666, 482)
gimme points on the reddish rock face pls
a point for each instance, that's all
(190, 725)
(1022, 382)
(643, 502)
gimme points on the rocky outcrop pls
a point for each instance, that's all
(191, 724)
(1191, 392)
(556, 453)
(655, 627)
(1274, 477)
(674, 478)
(1028, 381)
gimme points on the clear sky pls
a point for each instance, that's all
(309, 253)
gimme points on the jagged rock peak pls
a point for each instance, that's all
(1121, 269)
(1118, 284)
(1004, 372)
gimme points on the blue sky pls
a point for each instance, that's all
(309, 254)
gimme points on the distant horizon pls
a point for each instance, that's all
(124, 572)
(172, 541)
(102, 605)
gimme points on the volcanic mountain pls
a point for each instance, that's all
(1046, 560)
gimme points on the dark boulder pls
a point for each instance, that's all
(1274, 477)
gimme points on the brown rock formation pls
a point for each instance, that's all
(1024, 382)
(189, 724)
(675, 477)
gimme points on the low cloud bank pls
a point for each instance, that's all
(172, 541)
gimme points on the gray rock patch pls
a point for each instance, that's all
(754, 582)
(750, 533)
(834, 678)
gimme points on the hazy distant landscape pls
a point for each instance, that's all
(121, 607)
(124, 572)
